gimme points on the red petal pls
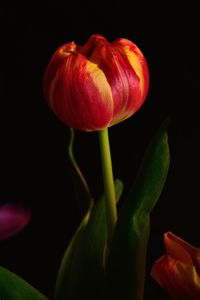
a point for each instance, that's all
(180, 249)
(56, 60)
(181, 281)
(80, 94)
(121, 76)
(138, 63)
(13, 218)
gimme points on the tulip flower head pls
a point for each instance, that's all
(97, 85)
(178, 271)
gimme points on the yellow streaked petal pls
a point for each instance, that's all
(100, 82)
(81, 95)
(135, 62)
(67, 49)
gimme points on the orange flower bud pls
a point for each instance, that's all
(178, 272)
(97, 85)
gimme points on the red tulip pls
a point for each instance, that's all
(97, 85)
(13, 218)
(178, 271)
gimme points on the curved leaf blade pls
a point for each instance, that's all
(85, 277)
(64, 273)
(125, 271)
(13, 287)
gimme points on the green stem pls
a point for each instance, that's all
(109, 188)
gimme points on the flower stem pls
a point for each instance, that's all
(109, 188)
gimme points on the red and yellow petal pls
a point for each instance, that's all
(138, 63)
(80, 94)
(56, 60)
(122, 78)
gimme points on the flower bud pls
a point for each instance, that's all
(97, 85)
(13, 218)
(178, 271)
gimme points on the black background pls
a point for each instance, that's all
(33, 142)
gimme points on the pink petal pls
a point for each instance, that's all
(13, 218)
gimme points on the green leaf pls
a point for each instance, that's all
(81, 274)
(81, 189)
(12, 287)
(65, 270)
(125, 273)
